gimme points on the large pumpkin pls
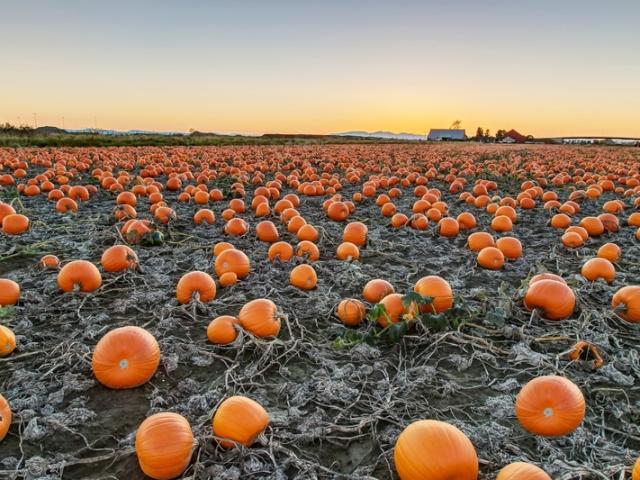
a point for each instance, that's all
(554, 298)
(438, 289)
(9, 292)
(125, 357)
(522, 471)
(5, 417)
(550, 406)
(239, 420)
(119, 258)
(7, 341)
(196, 282)
(626, 303)
(81, 274)
(232, 260)
(260, 317)
(164, 443)
(434, 450)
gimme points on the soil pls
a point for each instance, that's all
(336, 411)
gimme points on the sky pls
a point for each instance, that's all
(546, 68)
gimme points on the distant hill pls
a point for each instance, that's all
(383, 134)
(49, 131)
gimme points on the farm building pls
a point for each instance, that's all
(446, 134)
(513, 137)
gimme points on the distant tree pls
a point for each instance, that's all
(500, 134)
(479, 134)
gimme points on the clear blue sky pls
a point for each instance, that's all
(544, 67)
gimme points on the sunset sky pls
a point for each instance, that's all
(546, 68)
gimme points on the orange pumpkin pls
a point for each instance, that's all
(434, 450)
(510, 247)
(222, 330)
(308, 251)
(304, 277)
(598, 268)
(550, 406)
(204, 215)
(227, 279)
(119, 258)
(81, 274)
(356, 233)
(236, 227)
(522, 471)
(9, 292)
(232, 260)
(220, 247)
(239, 420)
(395, 310)
(266, 231)
(7, 341)
(5, 417)
(635, 473)
(610, 251)
(554, 298)
(626, 303)
(479, 240)
(15, 224)
(376, 289)
(308, 232)
(196, 283)
(351, 312)
(491, 258)
(436, 288)
(347, 251)
(125, 357)
(448, 227)
(572, 240)
(260, 318)
(164, 444)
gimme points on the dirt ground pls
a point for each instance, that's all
(336, 411)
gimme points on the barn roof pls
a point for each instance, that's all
(518, 137)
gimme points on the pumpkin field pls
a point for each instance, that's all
(365, 311)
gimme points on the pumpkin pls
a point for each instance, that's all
(49, 262)
(5, 209)
(579, 230)
(125, 357)
(561, 221)
(338, 211)
(222, 330)
(164, 444)
(9, 292)
(228, 278)
(308, 251)
(260, 318)
(220, 247)
(522, 471)
(119, 258)
(635, 473)
(554, 298)
(196, 282)
(466, 221)
(395, 310)
(15, 224)
(239, 420)
(351, 312)
(436, 288)
(266, 231)
(347, 251)
(66, 205)
(282, 251)
(308, 232)
(304, 277)
(204, 215)
(586, 351)
(236, 227)
(491, 258)
(5, 417)
(232, 260)
(376, 289)
(610, 251)
(572, 240)
(448, 227)
(81, 274)
(501, 223)
(510, 247)
(434, 450)
(356, 233)
(598, 268)
(546, 276)
(550, 406)
(479, 240)
(295, 224)
(593, 225)
(7, 341)
(626, 303)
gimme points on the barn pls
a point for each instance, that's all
(513, 137)
(446, 134)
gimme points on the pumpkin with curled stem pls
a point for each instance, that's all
(555, 299)
(260, 317)
(626, 303)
